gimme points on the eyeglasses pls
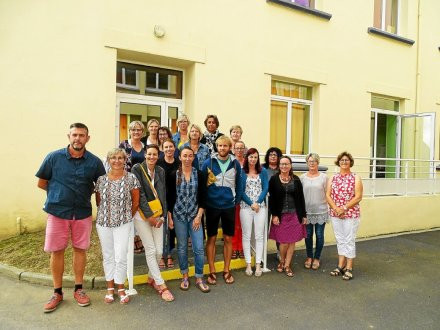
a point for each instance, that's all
(273, 155)
(344, 160)
(312, 162)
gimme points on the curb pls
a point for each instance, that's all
(98, 282)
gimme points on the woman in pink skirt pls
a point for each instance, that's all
(287, 207)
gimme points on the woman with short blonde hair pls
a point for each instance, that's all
(314, 187)
(117, 198)
(182, 135)
(201, 151)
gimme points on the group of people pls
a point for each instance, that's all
(177, 186)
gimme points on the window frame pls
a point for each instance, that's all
(124, 85)
(157, 89)
(383, 17)
(290, 101)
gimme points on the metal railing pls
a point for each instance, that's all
(386, 176)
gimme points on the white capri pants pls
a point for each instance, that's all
(250, 218)
(152, 239)
(345, 233)
(114, 246)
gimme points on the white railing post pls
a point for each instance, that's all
(266, 229)
(406, 178)
(130, 261)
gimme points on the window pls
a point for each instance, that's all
(127, 78)
(290, 117)
(147, 80)
(386, 14)
(305, 3)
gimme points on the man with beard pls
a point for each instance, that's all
(68, 176)
(223, 172)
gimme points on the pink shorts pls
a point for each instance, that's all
(59, 230)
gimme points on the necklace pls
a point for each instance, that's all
(284, 180)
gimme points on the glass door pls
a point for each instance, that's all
(384, 145)
(418, 135)
(130, 109)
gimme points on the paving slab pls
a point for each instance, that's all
(395, 287)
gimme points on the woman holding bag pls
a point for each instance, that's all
(149, 219)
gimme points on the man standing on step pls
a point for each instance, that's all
(68, 176)
(223, 172)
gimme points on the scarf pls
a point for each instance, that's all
(210, 140)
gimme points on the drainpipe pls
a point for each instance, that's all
(18, 224)
(417, 103)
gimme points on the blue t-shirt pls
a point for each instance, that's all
(70, 183)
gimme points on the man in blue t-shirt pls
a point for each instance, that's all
(223, 172)
(68, 176)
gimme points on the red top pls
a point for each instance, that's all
(342, 191)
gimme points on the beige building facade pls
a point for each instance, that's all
(322, 76)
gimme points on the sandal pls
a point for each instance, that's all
(289, 271)
(235, 254)
(348, 274)
(151, 283)
(280, 267)
(248, 271)
(165, 294)
(170, 262)
(308, 263)
(184, 285)
(241, 254)
(202, 286)
(109, 298)
(227, 276)
(337, 271)
(212, 279)
(316, 264)
(138, 246)
(124, 298)
(258, 272)
(162, 263)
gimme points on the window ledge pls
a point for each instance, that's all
(393, 36)
(306, 10)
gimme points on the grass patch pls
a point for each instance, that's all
(26, 252)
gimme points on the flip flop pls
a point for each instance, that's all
(202, 286)
(184, 285)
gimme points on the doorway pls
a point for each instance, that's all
(129, 108)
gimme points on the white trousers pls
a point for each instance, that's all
(248, 220)
(114, 246)
(345, 233)
(152, 239)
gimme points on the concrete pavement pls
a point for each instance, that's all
(395, 287)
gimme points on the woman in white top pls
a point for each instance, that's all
(314, 186)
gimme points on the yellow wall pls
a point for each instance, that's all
(58, 65)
